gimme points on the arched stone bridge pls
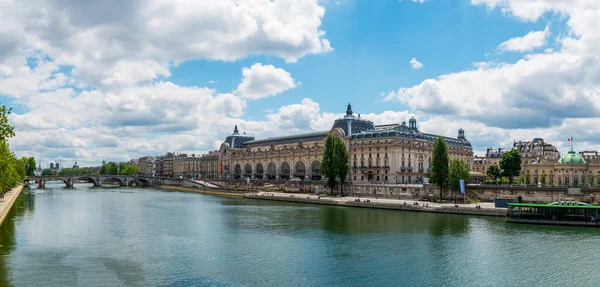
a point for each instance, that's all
(123, 180)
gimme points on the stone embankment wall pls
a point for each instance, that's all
(386, 205)
(416, 191)
(9, 199)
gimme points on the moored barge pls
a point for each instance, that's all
(558, 213)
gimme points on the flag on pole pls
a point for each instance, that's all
(570, 139)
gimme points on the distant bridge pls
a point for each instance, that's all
(97, 180)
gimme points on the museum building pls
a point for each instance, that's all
(392, 153)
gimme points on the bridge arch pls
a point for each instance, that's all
(88, 179)
(120, 181)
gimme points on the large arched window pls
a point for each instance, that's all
(285, 168)
(300, 168)
(237, 171)
(271, 171)
(248, 169)
(259, 169)
(315, 168)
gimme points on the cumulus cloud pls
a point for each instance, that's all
(526, 43)
(93, 77)
(540, 90)
(415, 64)
(112, 43)
(262, 81)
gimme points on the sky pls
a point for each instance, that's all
(114, 80)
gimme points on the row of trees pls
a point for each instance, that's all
(444, 172)
(73, 171)
(510, 166)
(12, 169)
(114, 168)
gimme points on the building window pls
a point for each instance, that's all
(362, 177)
(355, 177)
(386, 178)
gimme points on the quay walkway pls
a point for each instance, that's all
(486, 208)
(9, 199)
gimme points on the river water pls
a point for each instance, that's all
(146, 237)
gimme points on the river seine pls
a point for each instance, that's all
(147, 237)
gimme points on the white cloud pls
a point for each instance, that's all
(415, 64)
(526, 43)
(262, 81)
(112, 43)
(542, 90)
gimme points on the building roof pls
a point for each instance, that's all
(572, 158)
(307, 137)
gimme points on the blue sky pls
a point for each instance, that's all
(178, 78)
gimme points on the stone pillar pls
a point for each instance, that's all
(42, 183)
(69, 183)
(98, 182)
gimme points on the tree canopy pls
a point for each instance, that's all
(328, 164)
(334, 165)
(439, 165)
(493, 172)
(510, 163)
(341, 161)
(12, 169)
(458, 170)
(113, 168)
(6, 130)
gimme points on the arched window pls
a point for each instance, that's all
(248, 169)
(300, 168)
(285, 168)
(237, 171)
(259, 169)
(315, 168)
(271, 171)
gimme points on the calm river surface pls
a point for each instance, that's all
(146, 237)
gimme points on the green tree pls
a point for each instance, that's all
(47, 171)
(528, 178)
(510, 163)
(341, 162)
(6, 130)
(328, 165)
(30, 166)
(493, 172)
(458, 170)
(9, 176)
(439, 165)
(129, 169)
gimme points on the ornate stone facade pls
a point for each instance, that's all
(572, 170)
(393, 153)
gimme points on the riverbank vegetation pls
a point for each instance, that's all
(112, 168)
(12, 169)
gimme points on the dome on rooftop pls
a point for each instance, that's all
(572, 158)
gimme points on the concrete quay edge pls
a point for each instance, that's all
(497, 212)
(217, 192)
(14, 193)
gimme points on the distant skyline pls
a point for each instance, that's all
(116, 80)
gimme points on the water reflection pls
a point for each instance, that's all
(24, 204)
(143, 237)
